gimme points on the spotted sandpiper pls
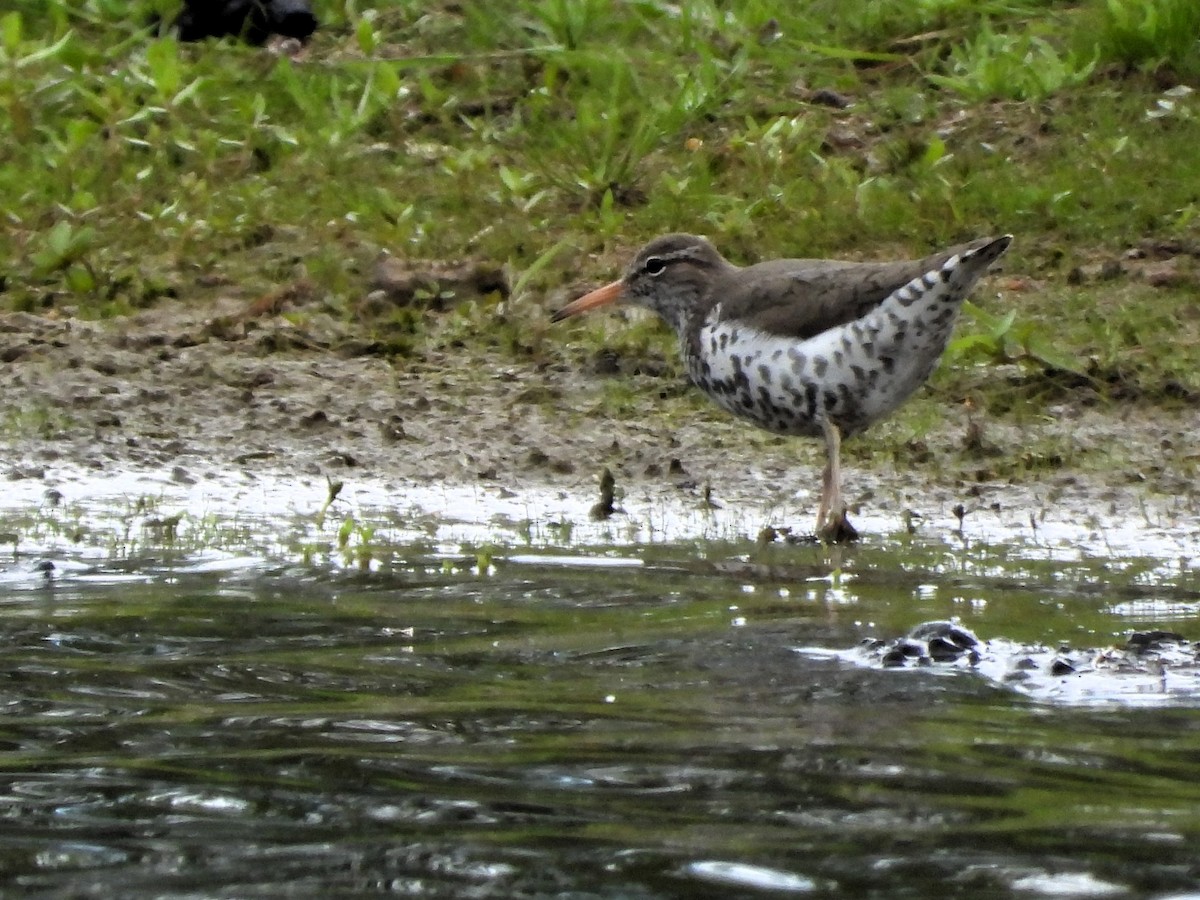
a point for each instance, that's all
(811, 347)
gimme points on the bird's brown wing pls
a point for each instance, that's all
(800, 298)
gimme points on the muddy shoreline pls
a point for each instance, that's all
(201, 393)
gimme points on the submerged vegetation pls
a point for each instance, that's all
(552, 136)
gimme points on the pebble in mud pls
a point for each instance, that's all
(17, 473)
(604, 507)
(391, 430)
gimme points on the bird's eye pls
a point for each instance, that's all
(654, 265)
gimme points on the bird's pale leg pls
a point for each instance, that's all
(831, 480)
(826, 485)
(832, 524)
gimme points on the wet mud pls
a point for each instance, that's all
(210, 394)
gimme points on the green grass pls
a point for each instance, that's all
(1151, 35)
(556, 135)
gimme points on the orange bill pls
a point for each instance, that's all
(610, 293)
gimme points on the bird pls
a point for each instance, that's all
(811, 347)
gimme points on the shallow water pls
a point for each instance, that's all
(508, 699)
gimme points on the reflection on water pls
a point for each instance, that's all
(210, 724)
(252, 703)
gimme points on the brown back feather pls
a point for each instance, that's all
(801, 298)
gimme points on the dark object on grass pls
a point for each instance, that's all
(251, 20)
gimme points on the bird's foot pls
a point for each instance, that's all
(836, 529)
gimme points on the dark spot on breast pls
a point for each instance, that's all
(764, 372)
(820, 365)
(888, 363)
(810, 397)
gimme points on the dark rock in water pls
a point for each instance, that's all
(1061, 667)
(1149, 666)
(1143, 641)
(948, 632)
(927, 643)
(943, 650)
(893, 658)
(252, 20)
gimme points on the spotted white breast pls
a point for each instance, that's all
(854, 374)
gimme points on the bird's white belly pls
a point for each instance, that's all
(853, 375)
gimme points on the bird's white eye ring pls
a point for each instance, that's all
(654, 265)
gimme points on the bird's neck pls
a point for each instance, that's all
(689, 330)
(684, 318)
